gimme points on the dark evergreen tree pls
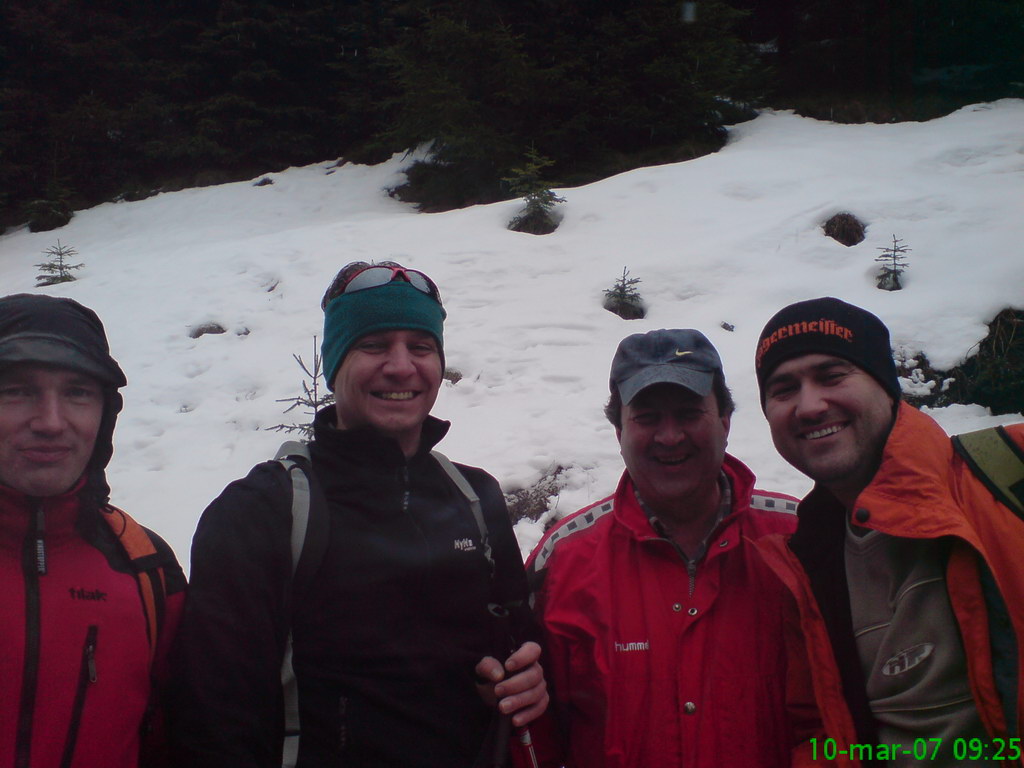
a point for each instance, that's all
(462, 83)
(106, 97)
(579, 81)
(891, 59)
(112, 97)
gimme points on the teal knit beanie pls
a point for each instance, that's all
(393, 306)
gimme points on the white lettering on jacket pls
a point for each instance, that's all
(627, 647)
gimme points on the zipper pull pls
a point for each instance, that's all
(40, 543)
(90, 660)
(90, 652)
(406, 493)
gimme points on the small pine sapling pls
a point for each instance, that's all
(536, 216)
(893, 263)
(311, 399)
(58, 269)
(623, 299)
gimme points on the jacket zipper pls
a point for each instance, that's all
(691, 565)
(406, 498)
(33, 562)
(406, 490)
(86, 677)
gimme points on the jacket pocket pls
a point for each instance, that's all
(86, 677)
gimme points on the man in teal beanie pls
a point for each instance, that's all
(395, 327)
(394, 646)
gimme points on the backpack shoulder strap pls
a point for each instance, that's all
(998, 462)
(149, 572)
(308, 545)
(474, 502)
(309, 518)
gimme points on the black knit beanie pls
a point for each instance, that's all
(827, 326)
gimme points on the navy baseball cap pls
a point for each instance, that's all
(667, 356)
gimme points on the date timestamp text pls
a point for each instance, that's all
(921, 749)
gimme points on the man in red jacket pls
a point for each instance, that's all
(666, 634)
(905, 567)
(90, 598)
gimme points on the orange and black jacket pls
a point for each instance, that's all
(923, 489)
(77, 651)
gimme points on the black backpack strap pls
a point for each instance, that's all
(494, 752)
(309, 535)
(997, 461)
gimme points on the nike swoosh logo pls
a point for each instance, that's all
(680, 354)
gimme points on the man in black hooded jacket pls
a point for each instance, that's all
(393, 642)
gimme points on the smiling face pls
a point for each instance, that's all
(389, 381)
(49, 419)
(673, 442)
(829, 419)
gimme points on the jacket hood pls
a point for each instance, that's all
(50, 330)
(96, 487)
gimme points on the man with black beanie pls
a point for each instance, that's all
(90, 598)
(906, 568)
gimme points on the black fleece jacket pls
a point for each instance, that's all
(385, 639)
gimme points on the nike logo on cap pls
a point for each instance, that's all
(680, 354)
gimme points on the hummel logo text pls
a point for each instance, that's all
(626, 647)
(465, 545)
(87, 594)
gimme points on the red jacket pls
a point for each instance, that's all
(74, 649)
(653, 666)
(923, 489)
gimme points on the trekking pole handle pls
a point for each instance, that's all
(504, 645)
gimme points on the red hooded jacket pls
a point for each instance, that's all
(75, 655)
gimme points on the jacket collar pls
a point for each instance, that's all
(61, 512)
(367, 445)
(911, 494)
(629, 512)
(917, 449)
